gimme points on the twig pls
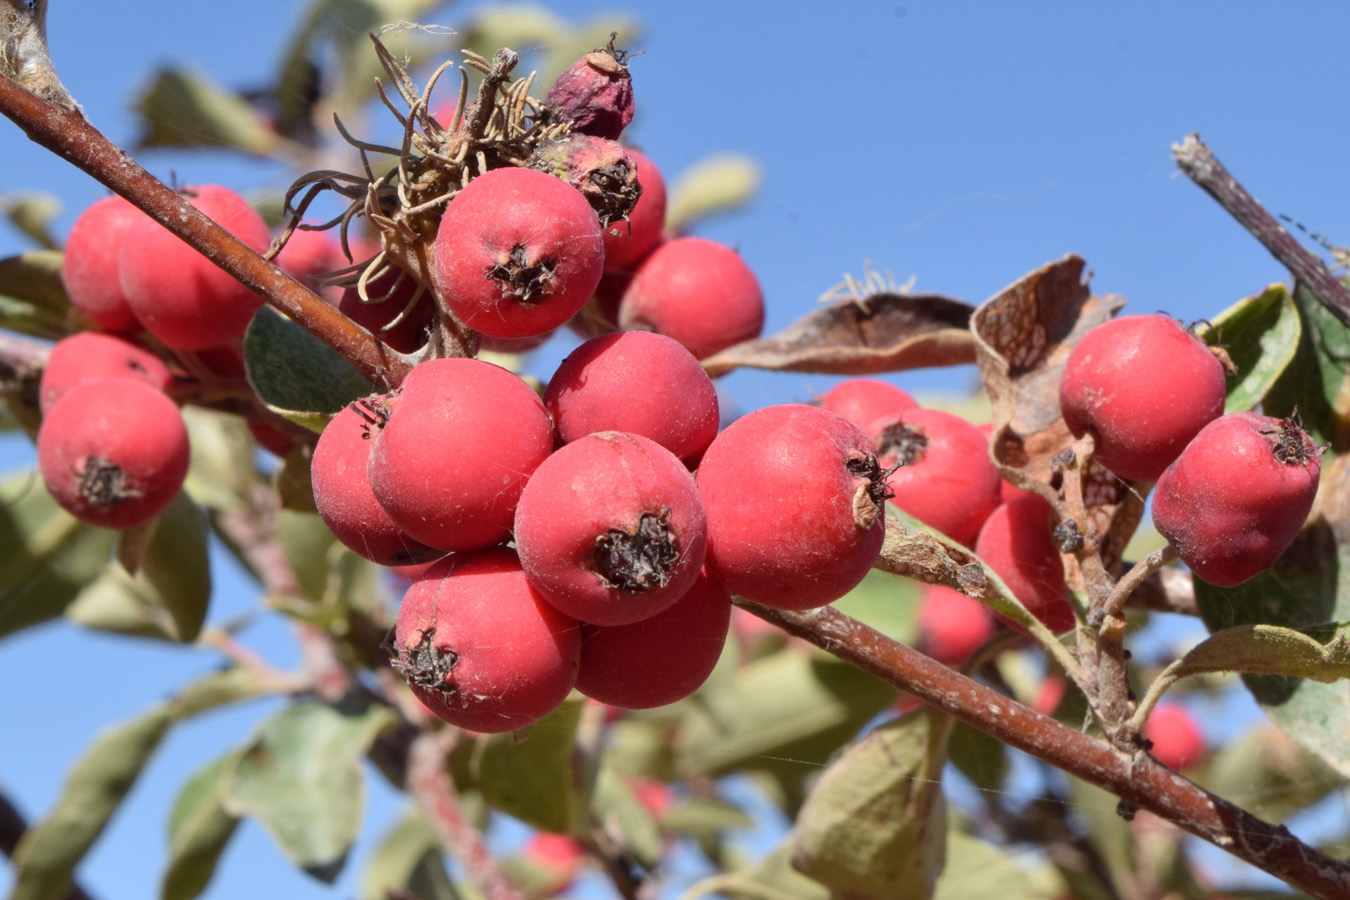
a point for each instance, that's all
(1137, 779)
(1129, 583)
(68, 134)
(1198, 162)
(429, 781)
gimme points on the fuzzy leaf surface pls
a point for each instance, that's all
(533, 779)
(1260, 335)
(301, 778)
(1317, 380)
(295, 373)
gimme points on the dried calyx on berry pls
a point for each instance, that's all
(598, 167)
(595, 94)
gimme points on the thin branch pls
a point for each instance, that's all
(68, 134)
(1198, 162)
(429, 781)
(1138, 779)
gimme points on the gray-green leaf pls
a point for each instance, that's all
(1260, 334)
(295, 373)
(199, 829)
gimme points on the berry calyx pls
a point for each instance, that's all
(595, 93)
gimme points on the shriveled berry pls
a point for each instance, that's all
(180, 296)
(460, 442)
(518, 252)
(480, 648)
(946, 479)
(1016, 543)
(865, 401)
(628, 242)
(342, 490)
(610, 528)
(1142, 386)
(660, 659)
(89, 355)
(594, 94)
(113, 452)
(696, 291)
(639, 382)
(1237, 496)
(90, 266)
(794, 498)
(600, 169)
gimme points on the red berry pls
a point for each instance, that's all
(602, 170)
(698, 292)
(660, 659)
(392, 311)
(627, 242)
(518, 252)
(342, 490)
(557, 857)
(461, 439)
(1176, 738)
(309, 257)
(794, 501)
(180, 296)
(947, 480)
(1142, 386)
(610, 528)
(1016, 543)
(480, 648)
(113, 452)
(638, 382)
(1049, 695)
(89, 355)
(90, 268)
(1237, 496)
(595, 94)
(865, 401)
(951, 625)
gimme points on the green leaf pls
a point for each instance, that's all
(772, 879)
(222, 475)
(886, 602)
(199, 830)
(33, 214)
(308, 545)
(1266, 773)
(32, 296)
(705, 817)
(533, 779)
(222, 688)
(1317, 381)
(1261, 335)
(409, 859)
(169, 594)
(46, 555)
(301, 779)
(1321, 653)
(712, 185)
(976, 868)
(979, 756)
(625, 815)
(295, 373)
(183, 108)
(94, 789)
(875, 825)
(1110, 834)
(785, 713)
(1308, 587)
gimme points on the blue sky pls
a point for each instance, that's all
(962, 143)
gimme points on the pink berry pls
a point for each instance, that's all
(1175, 736)
(794, 500)
(1142, 386)
(309, 257)
(518, 252)
(610, 528)
(113, 452)
(460, 442)
(342, 490)
(1016, 542)
(480, 648)
(180, 296)
(1237, 496)
(392, 311)
(628, 242)
(864, 401)
(952, 626)
(558, 858)
(90, 267)
(638, 382)
(594, 94)
(696, 291)
(89, 355)
(660, 659)
(947, 480)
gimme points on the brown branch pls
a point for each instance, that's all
(1198, 162)
(68, 134)
(1137, 779)
(429, 781)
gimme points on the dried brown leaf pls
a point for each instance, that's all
(882, 332)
